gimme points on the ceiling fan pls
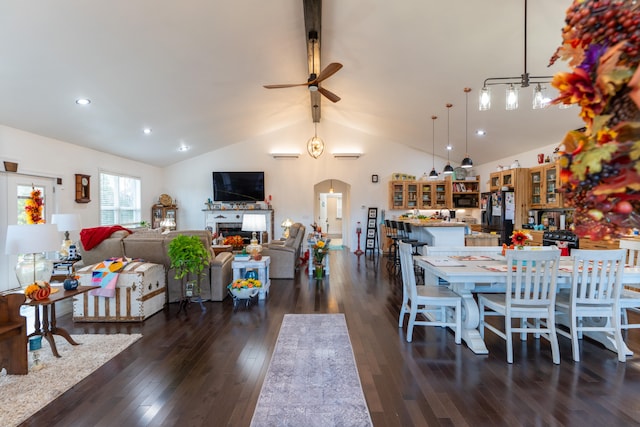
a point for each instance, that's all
(313, 82)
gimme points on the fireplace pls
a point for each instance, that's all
(233, 229)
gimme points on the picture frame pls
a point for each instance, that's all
(371, 233)
(373, 213)
(374, 178)
(216, 206)
(371, 223)
(370, 243)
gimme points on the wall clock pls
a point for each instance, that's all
(83, 188)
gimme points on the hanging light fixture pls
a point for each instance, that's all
(466, 162)
(433, 174)
(523, 80)
(331, 188)
(315, 145)
(448, 169)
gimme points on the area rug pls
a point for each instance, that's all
(312, 379)
(23, 395)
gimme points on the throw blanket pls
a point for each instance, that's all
(92, 237)
(105, 275)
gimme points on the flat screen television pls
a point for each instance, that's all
(238, 186)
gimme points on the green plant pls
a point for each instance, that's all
(188, 255)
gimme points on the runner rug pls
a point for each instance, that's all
(312, 379)
(23, 395)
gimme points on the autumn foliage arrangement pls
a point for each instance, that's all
(34, 206)
(600, 163)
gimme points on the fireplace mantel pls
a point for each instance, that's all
(214, 217)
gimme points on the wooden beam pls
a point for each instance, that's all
(313, 28)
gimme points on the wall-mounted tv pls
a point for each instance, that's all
(238, 186)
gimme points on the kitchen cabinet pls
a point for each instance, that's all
(465, 194)
(506, 178)
(419, 195)
(543, 185)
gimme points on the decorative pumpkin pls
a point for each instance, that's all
(38, 291)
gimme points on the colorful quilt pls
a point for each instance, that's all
(105, 275)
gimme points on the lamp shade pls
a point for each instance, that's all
(254, 222)
(31, 238)
(67, 222)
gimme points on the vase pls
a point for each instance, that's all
(319, 271)
(244, 293)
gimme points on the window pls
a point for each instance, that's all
(119, 199)
(24, 193)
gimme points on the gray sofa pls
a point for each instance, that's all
(152, 246)
(285, 255)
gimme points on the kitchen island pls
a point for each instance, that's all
(438, 233)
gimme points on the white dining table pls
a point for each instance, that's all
(467, 274)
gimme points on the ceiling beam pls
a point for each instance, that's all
(313, 27)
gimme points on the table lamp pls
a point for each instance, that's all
(254, 223)
(31, 241)
(66, 223)
(286, 225)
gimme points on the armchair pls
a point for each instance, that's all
(285, 255)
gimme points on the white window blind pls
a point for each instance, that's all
(119, 200)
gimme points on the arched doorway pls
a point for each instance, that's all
(331, 210)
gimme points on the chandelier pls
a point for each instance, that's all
(315, 145)
(524, 80)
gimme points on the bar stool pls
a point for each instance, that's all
(394, 262)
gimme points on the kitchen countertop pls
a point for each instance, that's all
(432, 223)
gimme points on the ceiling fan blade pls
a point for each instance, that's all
(329, 71)
(284, 85)
(330, 95)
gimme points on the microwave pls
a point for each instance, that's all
(466, 202)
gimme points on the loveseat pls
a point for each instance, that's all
(152, 246)
(285, 255)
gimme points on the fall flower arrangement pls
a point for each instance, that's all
(245, 284)
(235, 241)
(319, 251)
(600, 163)
(33, 207)
(519, 238)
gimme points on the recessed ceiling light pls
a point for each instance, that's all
(183, 148)
(83, 101)
(146, 131)
(481, 132)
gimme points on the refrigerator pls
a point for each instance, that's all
(498, 213)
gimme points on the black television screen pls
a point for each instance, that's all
(238, 186)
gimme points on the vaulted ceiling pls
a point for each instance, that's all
(194, 71)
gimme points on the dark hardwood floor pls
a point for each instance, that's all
(207, 370)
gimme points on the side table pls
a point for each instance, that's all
(241, 267)
(48, 328)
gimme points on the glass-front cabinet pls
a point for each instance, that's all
(412, 195)
(543, 187)
(396, 195)
(426, 195)
(164, 216)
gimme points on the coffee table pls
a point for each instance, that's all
(47, 328)
(262, 265)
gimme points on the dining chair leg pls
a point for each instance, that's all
(412, 321)
(509, 338)
(617, 332)
(403, 310)
(458, 330)
(481, 320)
(575, 347)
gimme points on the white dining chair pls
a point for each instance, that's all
(630, 298)
(530, 294)
(431, 302)
(595, 292)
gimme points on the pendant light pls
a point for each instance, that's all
(448, 170)
(315, 145)
(331, 188)
(433, 174)
(466, 162)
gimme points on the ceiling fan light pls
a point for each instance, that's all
(484, 103)
(466, 162)
(511, 98)
(313, 88)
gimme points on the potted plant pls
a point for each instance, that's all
(188, 257)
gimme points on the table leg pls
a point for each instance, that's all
(470, 320)
(46, 331)
(60, 331)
